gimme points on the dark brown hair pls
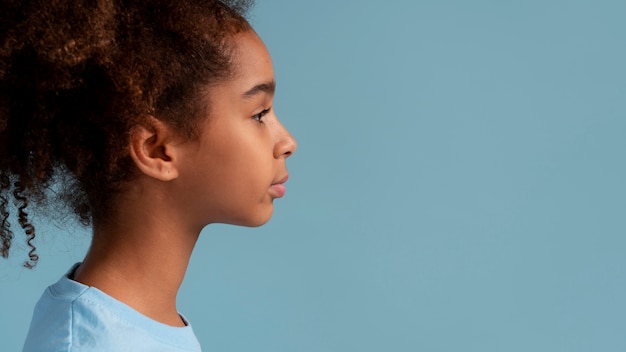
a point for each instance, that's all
(76, 76)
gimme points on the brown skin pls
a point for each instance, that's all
(71, 95)
(226, 175)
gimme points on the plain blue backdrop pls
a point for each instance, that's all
(459, 186)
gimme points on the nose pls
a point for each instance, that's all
(285, 144)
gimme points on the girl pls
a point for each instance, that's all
(149, 120)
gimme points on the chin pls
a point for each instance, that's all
(257, 219)
(261, 221)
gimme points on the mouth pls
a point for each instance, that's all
(278, 188)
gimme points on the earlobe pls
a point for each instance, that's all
(151, 149)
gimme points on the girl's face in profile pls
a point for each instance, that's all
(236, 168)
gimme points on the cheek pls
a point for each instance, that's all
(234, 169)
(240, 193)
(242, 166)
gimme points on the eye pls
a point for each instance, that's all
(259, 117)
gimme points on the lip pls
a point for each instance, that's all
(278, 188)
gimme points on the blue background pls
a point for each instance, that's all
(459, 186)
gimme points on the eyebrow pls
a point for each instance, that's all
(267, 87)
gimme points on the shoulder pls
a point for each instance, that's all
(73, 317)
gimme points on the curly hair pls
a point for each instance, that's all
(76, 76)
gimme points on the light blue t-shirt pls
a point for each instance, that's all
(74, 317)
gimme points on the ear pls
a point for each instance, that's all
(152, 149)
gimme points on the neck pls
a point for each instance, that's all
(140, 262)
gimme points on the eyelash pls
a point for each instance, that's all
(258, 117)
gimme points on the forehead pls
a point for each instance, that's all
(253, 74)
(251, 59)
